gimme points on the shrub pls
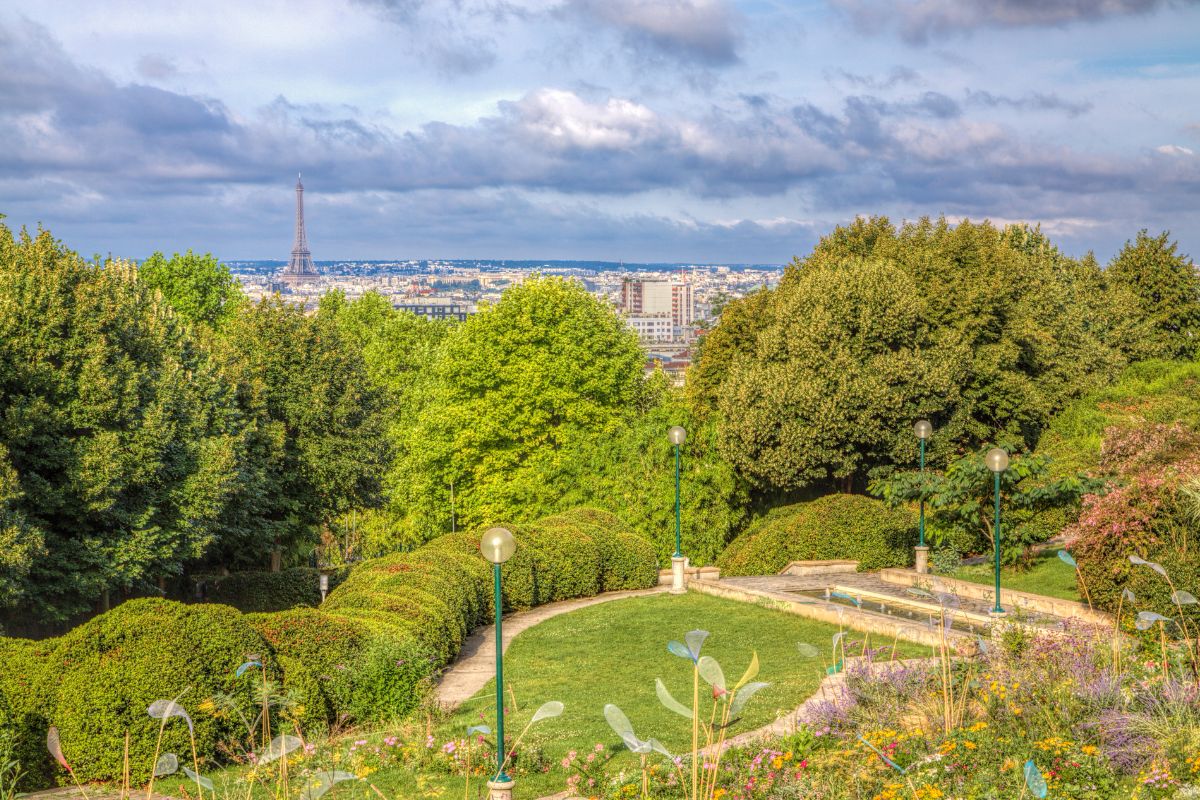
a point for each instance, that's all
(554, 560)
(267, 591)
(109, 670)
(836, 526)
(25, 684)
(316, 652)
(627, 560)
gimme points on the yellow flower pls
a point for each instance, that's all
(207, 707)
(1089, 749)
(977, 727)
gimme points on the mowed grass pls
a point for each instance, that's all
(606, 653)
(1049, 575)
(612, 652)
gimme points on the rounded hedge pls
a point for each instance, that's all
(340, 669)
(627, 559)
(28, 691)
(836, 526)
(271, 591)
(109, 670)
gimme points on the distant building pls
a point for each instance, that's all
(300, 268)
(658, 310)
(652, 327)
(432, 309)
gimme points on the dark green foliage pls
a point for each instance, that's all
(316, 432)
(820, 381)
(554, 561)
(270, 591)
(962, 499)
(123, 436)
(836, 526)
(106, 673)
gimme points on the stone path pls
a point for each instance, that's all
(476, 663)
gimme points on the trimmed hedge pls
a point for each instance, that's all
(108, 671)
(271, 591)
(836, 526)
(27, 686)
(368, 653)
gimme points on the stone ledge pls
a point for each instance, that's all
(691, 574)
(819, 567)
(1054, 606)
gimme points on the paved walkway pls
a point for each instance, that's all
(476, 662)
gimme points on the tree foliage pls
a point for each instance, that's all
(963, 498)
(1167, 288)
(123, 438)
(987, 331)
(511, 389)
(199, 287)
(315, 430)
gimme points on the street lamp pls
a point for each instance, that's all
(997, 461)
(677, 437)
(497, 546)
(923, 429)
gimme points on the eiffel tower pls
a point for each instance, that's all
(300, 268)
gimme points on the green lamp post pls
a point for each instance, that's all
(497, 546)
(923, 429)
(997, 461)
(677, 437)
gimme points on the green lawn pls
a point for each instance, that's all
(611, 653)
(607, 653)
(1049, 576)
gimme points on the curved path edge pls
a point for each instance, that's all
(476, 662)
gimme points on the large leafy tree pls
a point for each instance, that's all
(1167, 288)
(199, 287)
(1015, 327)
(120, 431)
(316, 431)
(512, 388)
(827, 392)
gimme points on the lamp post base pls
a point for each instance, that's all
(500, 790)
(678, 564)
(922, 562)
(997, 614)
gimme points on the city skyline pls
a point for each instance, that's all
(703, 131)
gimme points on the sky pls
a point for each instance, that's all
(707, 131)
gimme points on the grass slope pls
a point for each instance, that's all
(1048, 575)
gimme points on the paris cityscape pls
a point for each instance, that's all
(600, 400)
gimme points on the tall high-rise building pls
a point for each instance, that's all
(657, 298)
(300, 266)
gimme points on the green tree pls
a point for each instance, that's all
(962, 499)
(1167, 286)
(121, 432)
(631, 473)
(199, 287)
(317, 446)
(1010, 327)
(20, 543)
(835, 378)
(511, 389)
(399, 350)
